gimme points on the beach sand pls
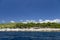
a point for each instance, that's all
(32, 29)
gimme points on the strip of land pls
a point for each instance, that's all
(32, 29)
(43, 27)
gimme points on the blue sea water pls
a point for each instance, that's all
(29, 35)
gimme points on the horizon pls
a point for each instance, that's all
(34, 21)
(18, 10)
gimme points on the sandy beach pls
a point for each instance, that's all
(32, 29)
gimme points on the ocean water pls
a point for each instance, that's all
(29, 35)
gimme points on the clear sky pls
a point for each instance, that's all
(29, 9)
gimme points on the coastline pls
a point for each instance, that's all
(32, 29)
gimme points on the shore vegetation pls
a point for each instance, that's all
(30, 25)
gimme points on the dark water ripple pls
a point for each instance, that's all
(29, 35)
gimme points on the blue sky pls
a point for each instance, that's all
(29, 9)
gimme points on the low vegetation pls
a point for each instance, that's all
(30, 25)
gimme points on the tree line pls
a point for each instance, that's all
(30, 25)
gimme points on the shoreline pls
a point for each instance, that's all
(32, 29)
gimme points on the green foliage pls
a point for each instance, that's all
(8, 25)
(30, 25)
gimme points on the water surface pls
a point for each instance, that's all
(29, 35)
